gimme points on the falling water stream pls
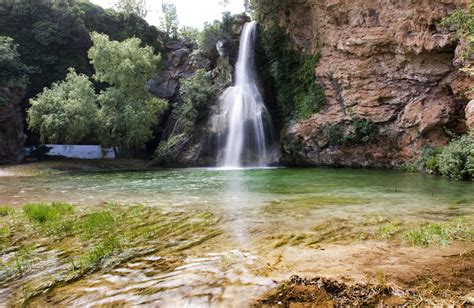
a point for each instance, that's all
(246, 116)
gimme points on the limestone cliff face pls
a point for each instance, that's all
(12, 137)
(388, 61)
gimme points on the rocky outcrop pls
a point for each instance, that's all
(470, 116)
(12, 137)
(179, 146)
(386, 62)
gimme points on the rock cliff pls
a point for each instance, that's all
(389, 70)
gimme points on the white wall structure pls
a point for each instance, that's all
(80, 151)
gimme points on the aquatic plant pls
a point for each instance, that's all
(76, 241)
(439, 233)
(5, 210)
(42, 213)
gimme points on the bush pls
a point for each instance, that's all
(456, 161)
(363, 130)
(196, 93)
(334, 134)
(292, 74)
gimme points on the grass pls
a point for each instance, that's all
(99, 252)
(345, 231)
(440, 233)
(5, 210)
(96, 222)
(43, 213)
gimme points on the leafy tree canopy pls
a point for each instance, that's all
(127, 110)
(54, 35)
(121, 115)
(66, 112)
(13, 73)
(169, 21)
(137, 7)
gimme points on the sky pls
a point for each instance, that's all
(190, 12)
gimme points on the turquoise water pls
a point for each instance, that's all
(256, 196)
(255, 207)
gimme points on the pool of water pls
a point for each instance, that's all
(254, 204)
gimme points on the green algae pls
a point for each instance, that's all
(380, 228)
(89, 239)
(310, 202)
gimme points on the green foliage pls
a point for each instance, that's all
(124, 65)
(43, 213)
(5, 210)
(214, 32)
(456, 161)
(363, 130)
(334, 134)
(96, 254)
(190, 34)
(93, 242)
(97, 221)
(439, 233)
(358, 131)
(54, 35)
(428, 161)
(13, 73)
(66, 112)
(292, 74)
(169, 21)
(127, 110)
(462, 21)
(165, 154)
(132, 7)
(196, 92)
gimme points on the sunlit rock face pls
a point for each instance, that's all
(12, 137)
(387, 61)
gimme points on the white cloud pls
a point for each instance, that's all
(190, 12)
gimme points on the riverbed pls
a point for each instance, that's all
(275, 222)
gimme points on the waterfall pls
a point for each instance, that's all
(244, 113)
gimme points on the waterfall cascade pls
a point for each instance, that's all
(245, 116)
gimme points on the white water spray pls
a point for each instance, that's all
(246, 117)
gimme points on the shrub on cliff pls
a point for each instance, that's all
(462, 21)
(196, 92)
(292, 75)
(456, 161)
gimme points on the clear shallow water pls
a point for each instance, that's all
(255, 205)
(256, 198)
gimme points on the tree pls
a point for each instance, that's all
(127, 110)
(13, 73)
(130, 7)
(190, 34)
(169, 20)
(66, 112)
